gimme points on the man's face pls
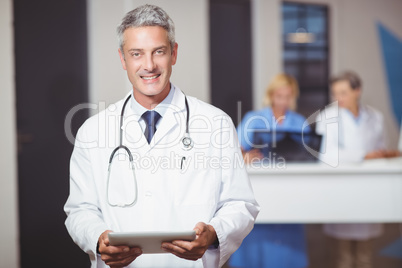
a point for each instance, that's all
(148, 60)
(346, 96)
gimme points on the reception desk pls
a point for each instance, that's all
(370, 191)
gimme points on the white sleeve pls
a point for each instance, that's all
(332, 152)
(84, 219)
(237, 208)
(382, 140)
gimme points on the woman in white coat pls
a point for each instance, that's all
(358, 135)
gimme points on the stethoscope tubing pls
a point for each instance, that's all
(187, 145)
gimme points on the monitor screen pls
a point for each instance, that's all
(292, 146)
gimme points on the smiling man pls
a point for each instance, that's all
(148, 56)
(158, 121)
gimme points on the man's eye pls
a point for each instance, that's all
(159, 52)
(135, 54)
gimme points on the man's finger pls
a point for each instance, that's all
(106, 241)
(191, 257)
(121, 263)
(122, 259)
(199, 228)
(184, 244)
(112, 250)
(173, 248)
(186, 255)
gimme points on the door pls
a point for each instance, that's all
(51, 77)
(230, 42)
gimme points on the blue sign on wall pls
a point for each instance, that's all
(392, 57)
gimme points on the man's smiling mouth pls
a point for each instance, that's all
(150, 77)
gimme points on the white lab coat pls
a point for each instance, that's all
(212, 187)
(346, 142)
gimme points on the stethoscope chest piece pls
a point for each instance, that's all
(187, 142)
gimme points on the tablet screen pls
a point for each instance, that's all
(149, 242)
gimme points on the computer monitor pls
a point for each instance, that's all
(289, 145)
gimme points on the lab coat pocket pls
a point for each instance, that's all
(196, 187)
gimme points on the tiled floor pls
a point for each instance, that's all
(319, 247)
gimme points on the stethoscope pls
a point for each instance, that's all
(187, 143)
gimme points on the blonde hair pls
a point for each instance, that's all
(282, 80)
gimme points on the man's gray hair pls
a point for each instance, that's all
(351, 77)
(146, 15)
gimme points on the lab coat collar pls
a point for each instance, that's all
(366, 114)
(173, 116)
(133, 136)
(161, 108)
(363, 114)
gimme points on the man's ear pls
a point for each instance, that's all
(174, 53)
(123, 61)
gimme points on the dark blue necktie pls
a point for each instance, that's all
(150, 118)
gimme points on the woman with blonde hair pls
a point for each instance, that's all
(272, 245)
(280, 100)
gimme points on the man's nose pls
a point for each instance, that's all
(149, 64)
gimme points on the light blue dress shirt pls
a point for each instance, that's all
(138, 109)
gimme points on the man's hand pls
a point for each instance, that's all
(375, 154)
(252, 155)
(205, 237)
(116, 257)
(393, 153)
(382, 154)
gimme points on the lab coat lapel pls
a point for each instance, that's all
(171, 118)
(364, 116)
(133, 137)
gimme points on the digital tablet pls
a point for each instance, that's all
(149, 242)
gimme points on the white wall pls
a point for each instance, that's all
(9, 253)
(108, 81)
(355, 45)
(266, 33)
(360, 50)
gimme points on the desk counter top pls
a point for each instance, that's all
(370, 191)
(391, 165)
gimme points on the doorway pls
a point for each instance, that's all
(230, 43)
(51, 77)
